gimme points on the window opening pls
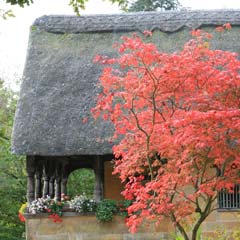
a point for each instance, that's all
(229, 200)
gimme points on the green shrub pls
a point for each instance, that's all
(105, 210)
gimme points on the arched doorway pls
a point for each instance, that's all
(81, 181)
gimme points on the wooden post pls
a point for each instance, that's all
(99, 175)
(49, 178)
(58, 181)
(64, 185)
(30, 178)
(51, 186)
(65, 175)
(39, 170)
(46, 178)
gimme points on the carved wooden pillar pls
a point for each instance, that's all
(30, 178)
(99, 175)
(65, 174)
(46, 178)
(51, 186)
(39, 171)
(48, 172)
(64, 184)
(58, 169)
(52, 164)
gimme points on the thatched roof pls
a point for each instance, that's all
(60, 81)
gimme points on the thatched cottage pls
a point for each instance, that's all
(59, 88)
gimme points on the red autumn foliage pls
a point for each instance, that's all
(227, 26)
(178, 116)
(55, 218)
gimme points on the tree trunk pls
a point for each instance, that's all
(179, 227)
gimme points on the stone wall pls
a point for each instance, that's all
(79, 227)
(87, 228)
(221, 223)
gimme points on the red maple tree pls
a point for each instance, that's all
(178, 118)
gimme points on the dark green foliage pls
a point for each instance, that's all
(153, 5)
(81, 181)
(21, 3)
(11, 232)
(122, 206)
(104, 214)
(12, 171)
(56, 207)
(88, 206)
(106, 209)
(77, 5)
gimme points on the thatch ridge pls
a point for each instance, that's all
(168, 21)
